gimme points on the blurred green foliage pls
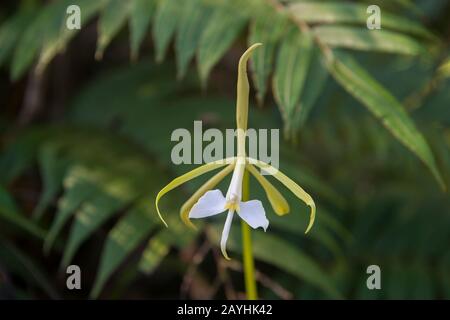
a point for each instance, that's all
(78, 180)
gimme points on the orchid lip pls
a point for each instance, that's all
(213, 203)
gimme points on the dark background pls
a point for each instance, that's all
(85, 147)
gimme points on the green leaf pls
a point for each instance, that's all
(368, 40)
(351, 76)
(12, 29)
(10, 213)
(23, 266)
(77, 190)
(167, 17)
(192, 24)
(444, 69)
(91, 215)
(57, 39)
(291, 69)
(112, 19)
(314, 84)
(34, 35)
(220, 33)
(53, 170)
(159, 245)
(114, 192)
(266, 29)
(347, 12)
(126, 235)
(141, 14)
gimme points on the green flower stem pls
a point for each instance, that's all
(247, 256)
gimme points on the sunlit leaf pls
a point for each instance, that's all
(141, 14)
(353, 13)
(125, 236)
(291, 69)
(157, 248)
(77, 190)
(368, 40)
(53, 171)
(220, 33)
(112, 19)
(167, 17)
(90, 216)
(314, 84)
(34, 35)
(268, 30)
(59, 36)
(190, 28)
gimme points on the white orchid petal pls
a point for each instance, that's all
(225, 233)
(253, 213)
(210, 204)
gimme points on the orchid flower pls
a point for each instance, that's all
(206, 202)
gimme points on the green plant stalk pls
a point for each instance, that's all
(247, 250)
